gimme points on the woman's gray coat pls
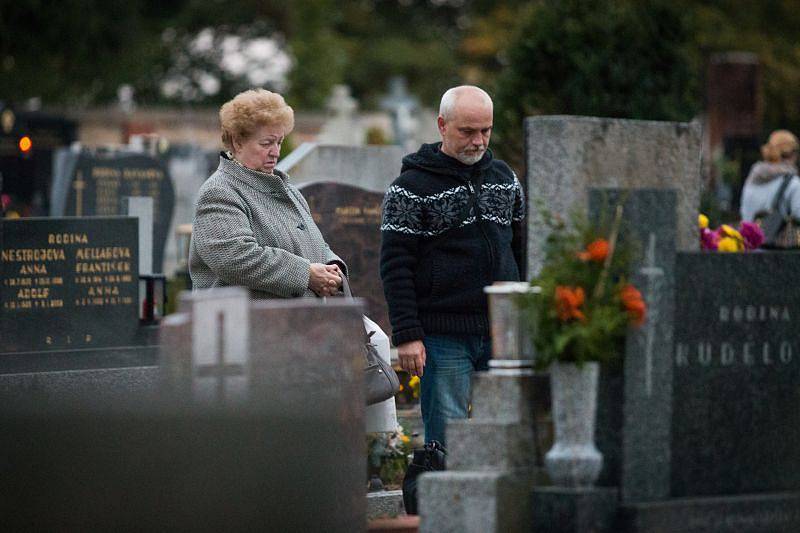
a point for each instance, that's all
(255, 230)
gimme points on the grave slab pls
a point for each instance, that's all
(755, 513)
(736, 365)
(474, 502)
(68, 283)
(370, 167)
(386, 503)
(568, 154)
(482, 445)
(95, 183)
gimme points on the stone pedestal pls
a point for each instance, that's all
(491, 461)
(474, 502)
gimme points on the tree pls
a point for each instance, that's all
(621, 59)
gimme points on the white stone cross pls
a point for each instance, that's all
(401, 105)
(655, 277)
(141, 207)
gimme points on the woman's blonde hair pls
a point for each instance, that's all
(781, 145)
(249, 110)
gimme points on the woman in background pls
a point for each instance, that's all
(761, 187)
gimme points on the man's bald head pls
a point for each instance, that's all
(463, 95)
(465, 123)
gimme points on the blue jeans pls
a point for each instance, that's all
(446, 380)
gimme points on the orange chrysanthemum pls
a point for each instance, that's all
(595, 251)
(568, 302)
(633, 303)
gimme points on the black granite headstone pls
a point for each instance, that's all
(94, 184)
(736, 365)
(349, 218)
(633, 425)
(68, 283)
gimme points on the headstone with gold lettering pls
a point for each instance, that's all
(349, 218)
(97, 182)
(68, 283)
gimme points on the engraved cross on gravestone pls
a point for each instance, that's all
(220, 349)
(653, 292)
(221, 369)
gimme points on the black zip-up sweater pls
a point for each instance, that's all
(433, 273)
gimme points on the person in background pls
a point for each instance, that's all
(252, 228)
(765, 178)
(446, 234)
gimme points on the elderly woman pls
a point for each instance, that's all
(253, 228)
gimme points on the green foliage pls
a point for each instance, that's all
(771, 29)
(599, 320)
(621, 59)
(78, 51)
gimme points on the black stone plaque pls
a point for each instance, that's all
(349, 218)
(736, 374)
(68, 283)
(97, 183)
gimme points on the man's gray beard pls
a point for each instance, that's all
(470, 159)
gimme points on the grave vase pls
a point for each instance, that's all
(574, 460)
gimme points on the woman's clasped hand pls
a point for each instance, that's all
(325, 280)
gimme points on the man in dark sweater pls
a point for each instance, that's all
(447, 233)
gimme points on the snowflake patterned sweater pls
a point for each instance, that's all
(433, 273)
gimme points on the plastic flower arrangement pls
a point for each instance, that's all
(388, 454)
(586, 303)
(727, 239)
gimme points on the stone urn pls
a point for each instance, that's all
(574, 460)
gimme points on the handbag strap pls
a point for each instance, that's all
(346, 288)
(776, 201)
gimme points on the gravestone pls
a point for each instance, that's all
(635, 392)
(343, 126)
(284, 452)
(68, 283)
(297, 367)
(566, 155)
(736, 364)
(734, 442)
(349, 217)
(95, 183)
(370, 167)
(633, 429)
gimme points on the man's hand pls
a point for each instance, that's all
(412, 357)
(324, 279)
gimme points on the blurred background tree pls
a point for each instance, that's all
(619, 58)
(623, 59)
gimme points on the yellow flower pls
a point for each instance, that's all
(702, 221)
(413, 382)
(730, 232)
(405, 438)
(729, 244)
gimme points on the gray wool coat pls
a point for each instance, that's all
(255, 230)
